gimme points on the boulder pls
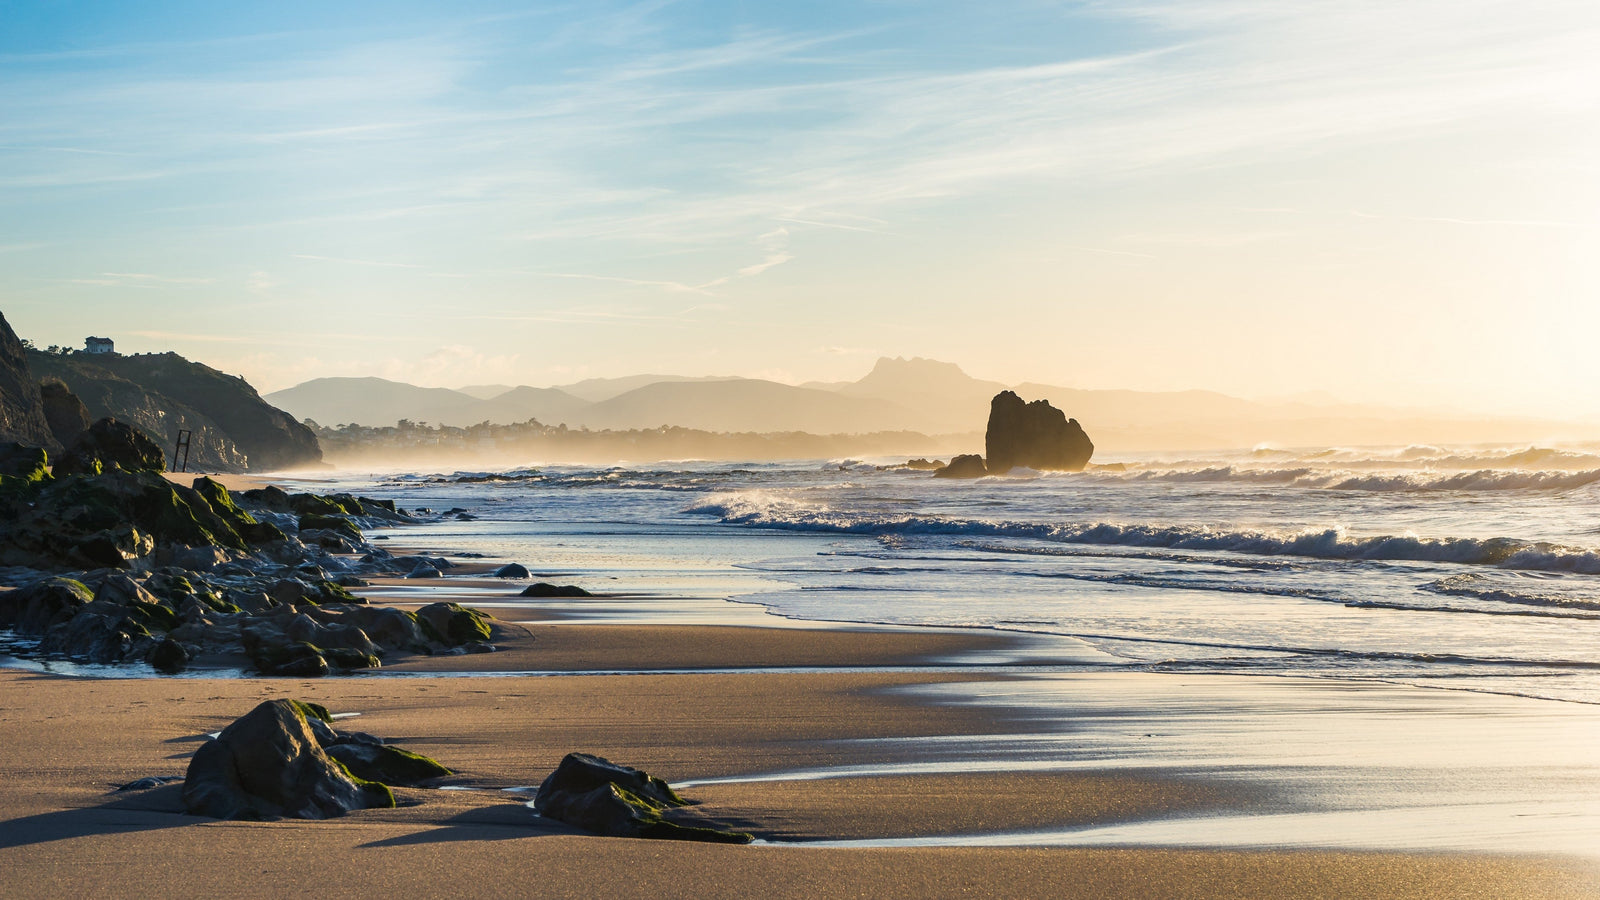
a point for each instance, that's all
(382, 763)
(21, 409)
(270, 764)
(511, 570)
(271, 498)
(67, 416)
(1035, 435)
(452, 624)
(542, 589)
(967, 465)
(600, 796)
(27, 465)
(34, 609)
(169, 657)
(109, 444)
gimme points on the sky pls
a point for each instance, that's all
(1384, 201)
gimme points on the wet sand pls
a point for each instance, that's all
(71, 740)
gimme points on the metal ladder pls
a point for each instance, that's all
(181, 448)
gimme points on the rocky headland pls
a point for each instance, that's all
(231, 428)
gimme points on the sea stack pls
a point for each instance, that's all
(1035, 435)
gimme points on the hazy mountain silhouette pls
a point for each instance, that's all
(943, 397)
(523, 403)
(745, 405)
(378, 401)
(484, 391)
(598, 390)
(920, 395)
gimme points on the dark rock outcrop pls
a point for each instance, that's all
(21, 409)
(270, 764)
(510, 570)
(542, 589)
(1035, 435)
(967, 465)
(109, 444)
(21, 466)
(598, 795)
(233, 429)
(38, 607)
(65, 413)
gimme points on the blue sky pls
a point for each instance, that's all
(1381, 200)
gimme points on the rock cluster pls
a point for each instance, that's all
(169, 575)
(284, 759)
(598, 795)
(967, 465)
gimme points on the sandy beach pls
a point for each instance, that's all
(74, 739)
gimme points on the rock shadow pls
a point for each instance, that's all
(501, 822)
(150, 810)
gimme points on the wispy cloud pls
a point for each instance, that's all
(359, 262)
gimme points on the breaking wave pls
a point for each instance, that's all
(765, 510)
(1345, 480)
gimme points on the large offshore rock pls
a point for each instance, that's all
(270, 764)
(1035, 435)
(109, 444)
(598, 795)
(21, 409)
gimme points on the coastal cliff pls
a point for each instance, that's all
(21, 410)
(233, 429)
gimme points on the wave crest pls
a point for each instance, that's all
(767, 510)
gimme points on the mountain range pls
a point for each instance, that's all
(917, 395)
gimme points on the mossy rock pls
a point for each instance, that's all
(296, 660)
(453, 624)
(312, 710)
(348, 658)
(110, 444)
(389, 765)
(339, 524)
(270, 497)
(221, 503)
(168, 513)
(258, 533)
(333, 592)
(314, 505)
(26, 464)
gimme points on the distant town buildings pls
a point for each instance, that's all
(99, 345)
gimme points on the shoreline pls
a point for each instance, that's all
(694, 727)
(881, 760)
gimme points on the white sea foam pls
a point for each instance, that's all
(769, 510)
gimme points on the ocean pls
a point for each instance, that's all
(1469, 569)
(1393, 648)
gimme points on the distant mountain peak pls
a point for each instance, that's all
(918, 366)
